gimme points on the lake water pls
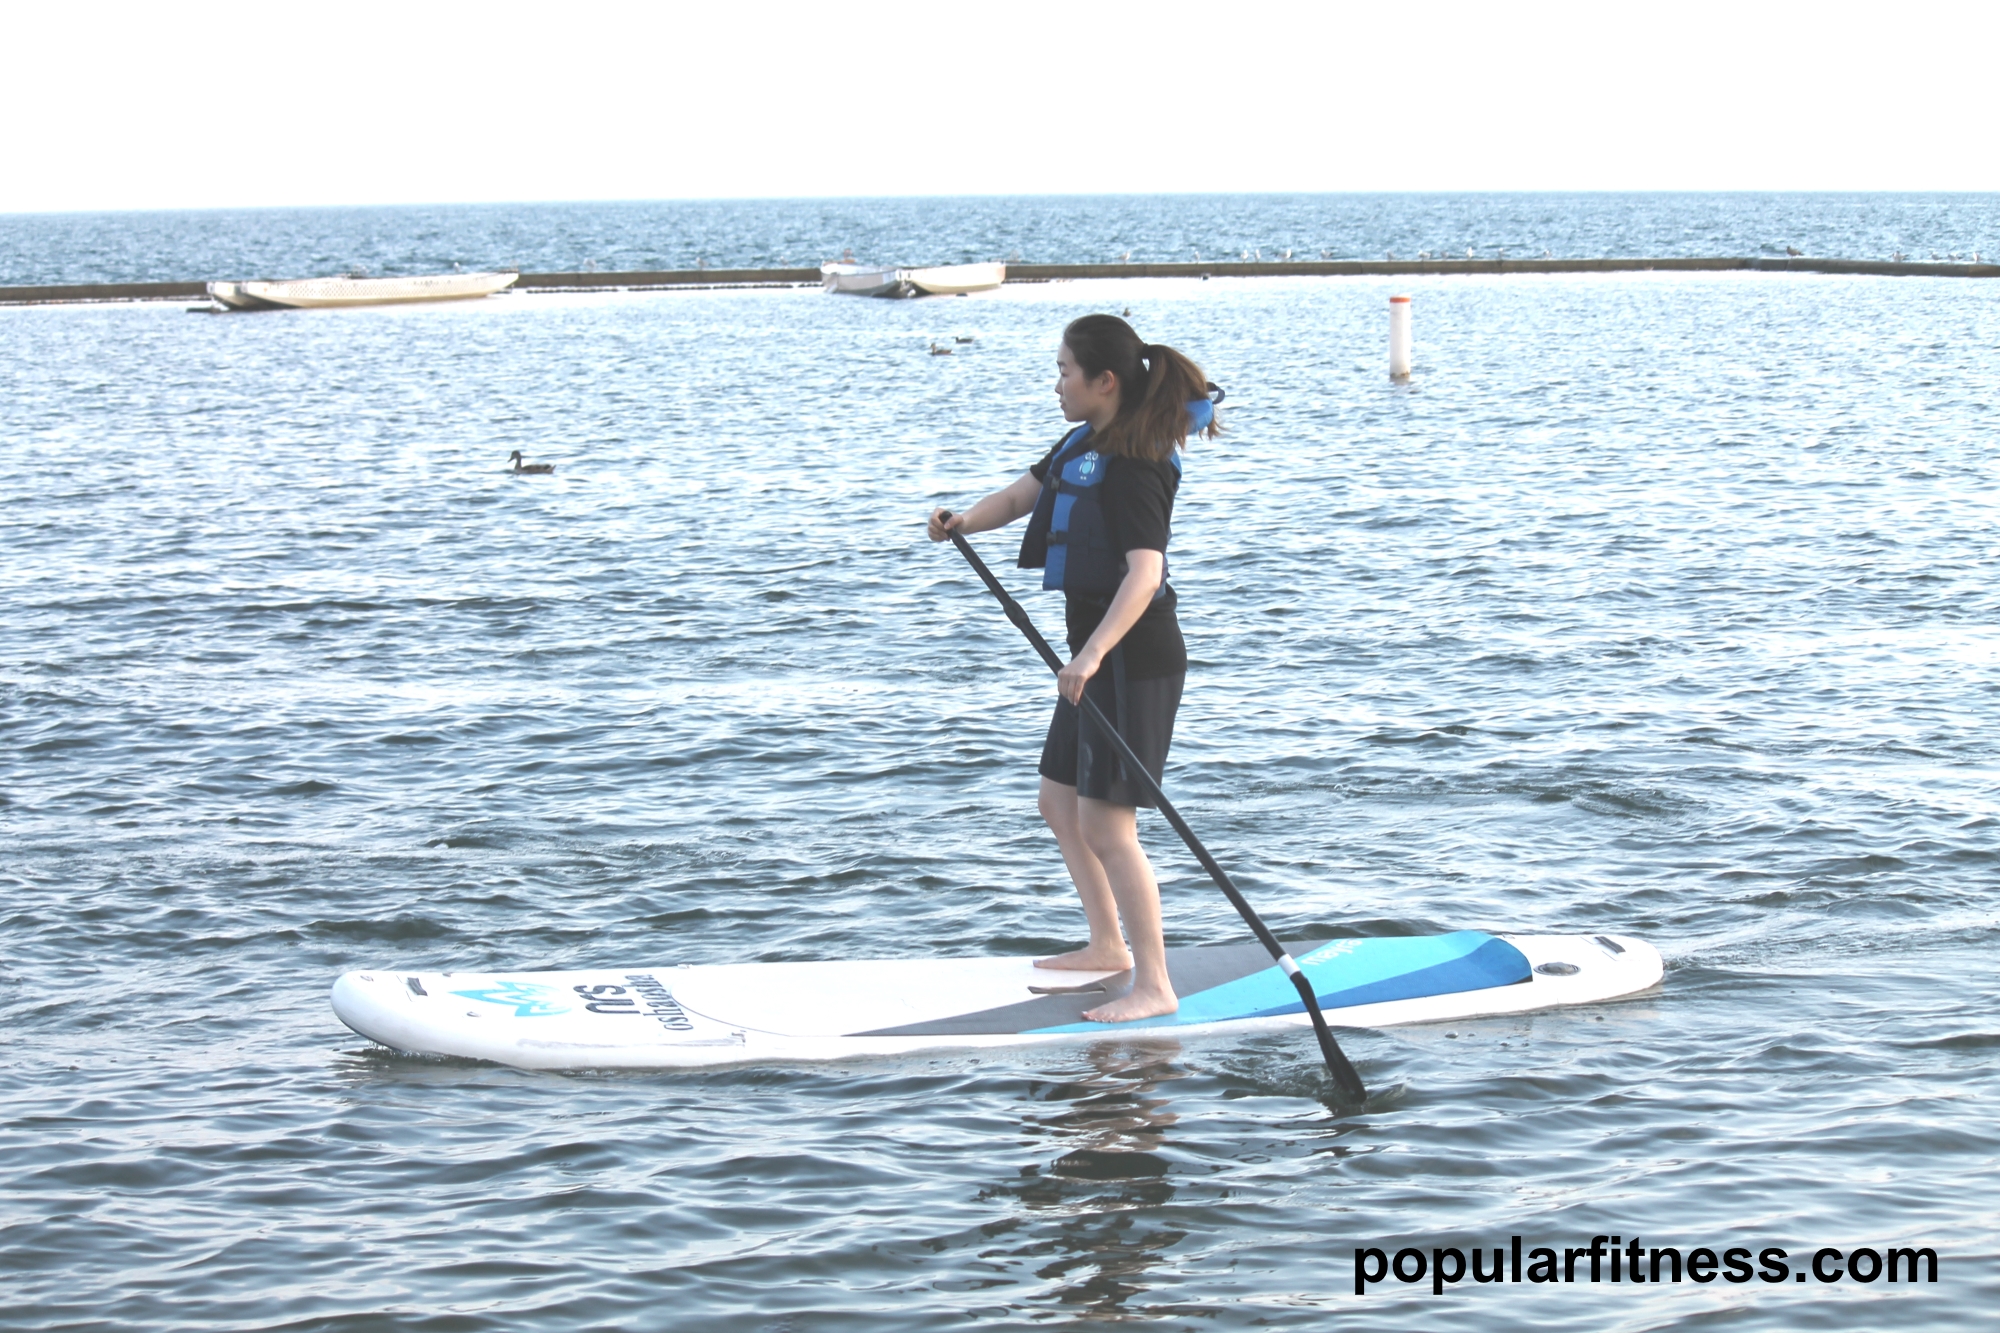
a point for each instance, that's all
(1657, 604)
(298, 242)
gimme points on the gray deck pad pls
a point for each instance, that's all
(1190, 969)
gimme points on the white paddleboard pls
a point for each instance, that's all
(668, 1017)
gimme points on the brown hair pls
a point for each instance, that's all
(1155, 385)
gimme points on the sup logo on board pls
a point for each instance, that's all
(607, 1000)
(527, 999)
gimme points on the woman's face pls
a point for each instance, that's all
(1095, 401)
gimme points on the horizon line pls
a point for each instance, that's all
(880, 198)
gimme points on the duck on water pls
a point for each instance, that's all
(526, 469)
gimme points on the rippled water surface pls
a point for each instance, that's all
(1658, 605)
(198, 245)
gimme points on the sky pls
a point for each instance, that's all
(210, 105)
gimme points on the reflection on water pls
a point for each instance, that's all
(1085, 1213)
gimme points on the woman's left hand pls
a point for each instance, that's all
(1070, 680)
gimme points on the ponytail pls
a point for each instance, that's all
(1155, 386)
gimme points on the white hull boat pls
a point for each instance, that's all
(306, 293)
(956, 279)
(873, 280)
(861, 280)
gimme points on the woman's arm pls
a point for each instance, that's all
(995, 511)
(1143, 571)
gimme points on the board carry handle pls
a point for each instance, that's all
(1347, 1083)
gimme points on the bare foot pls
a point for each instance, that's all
(1134, 1003)
(1091, 959)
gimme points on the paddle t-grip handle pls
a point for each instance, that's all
(1347, 1083)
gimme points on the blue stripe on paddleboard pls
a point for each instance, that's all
(1350, 972)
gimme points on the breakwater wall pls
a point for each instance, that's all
(1331, 268)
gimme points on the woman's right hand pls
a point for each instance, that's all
(943, 523)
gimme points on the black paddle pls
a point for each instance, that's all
(1345, 1081)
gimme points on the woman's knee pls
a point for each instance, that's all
(1107, 829)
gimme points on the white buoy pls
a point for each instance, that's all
(1399, 337)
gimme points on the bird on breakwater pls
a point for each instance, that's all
(1468, 252)
(1896, 256)
(1793, 251)
(1389, 255)
(525, 469)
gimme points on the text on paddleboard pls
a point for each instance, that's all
(608, 999)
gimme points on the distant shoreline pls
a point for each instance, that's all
(707, 278)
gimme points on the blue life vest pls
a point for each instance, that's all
(1068, 538)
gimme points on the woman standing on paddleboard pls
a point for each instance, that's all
(1101, 506)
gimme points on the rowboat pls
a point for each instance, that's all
(851, 279)
(956, 279)
(861, 280)
(298, 293)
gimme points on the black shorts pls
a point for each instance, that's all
(1076, 756)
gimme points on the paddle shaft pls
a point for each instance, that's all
(1345, 1080)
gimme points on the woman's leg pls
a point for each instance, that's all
(1106, 950)
(1111, 835)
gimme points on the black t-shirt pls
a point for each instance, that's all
(1138, 501)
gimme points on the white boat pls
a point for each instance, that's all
(853, 279)
(315, 292)
(956, 279)
(861, 280)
